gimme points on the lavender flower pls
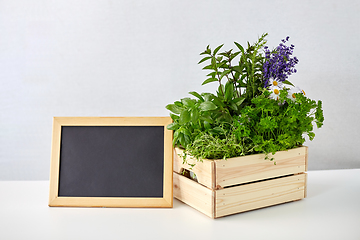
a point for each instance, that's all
(279, 64)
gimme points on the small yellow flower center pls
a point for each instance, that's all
(303, 92)
(276, 91)
(275, 83)
(293, 95)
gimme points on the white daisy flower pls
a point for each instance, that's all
(276, 84)
(275, 91)
(292, 91)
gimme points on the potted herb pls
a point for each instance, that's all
(255, 111)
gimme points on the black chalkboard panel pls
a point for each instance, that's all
(114, 162)
(111, 161)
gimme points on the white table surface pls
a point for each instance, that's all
(330, 211)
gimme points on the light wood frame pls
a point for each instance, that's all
(56, 201)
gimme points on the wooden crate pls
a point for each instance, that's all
(226, 187)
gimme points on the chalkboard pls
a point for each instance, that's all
(111, 162)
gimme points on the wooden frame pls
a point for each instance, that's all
(220, 173)
(56, 200)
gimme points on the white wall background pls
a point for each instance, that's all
(132, 58)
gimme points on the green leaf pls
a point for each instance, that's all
(184, 117)
(186, 131)
(195, 94)
(223, 64)
(173, 126)
(311, 135)
(208, 67)
(225, 117)
(187, 139)
(234, 55)
(288, 83)
(206, 119)
(179, 104)
(219, 130)
(221, 91)
(182, 139)
(207, 125)
(174, 117)
(241, 84)
(217, 49)
(225, 73)
(319, 115)
(239, 101)
(233, 106)
(240, 47)
(212, 74)
(208, 96)
(238, 69)
(176, 137)
(204, 59)
(207, 106)
(243, 77)
(194, 115)
(218, 102)
(188, 102)
(207, 51)
(209, 80)
(229, 91)
(173, 108)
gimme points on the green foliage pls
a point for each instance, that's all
(222, 145)
(242, 79)
(263, 127)
(192, 116)
(208, 111)
(275, 125)
(240, 118)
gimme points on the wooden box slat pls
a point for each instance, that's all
(194, 194)
(251, 168)
(216, 174)
(260, 194)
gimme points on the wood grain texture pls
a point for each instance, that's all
(204, 170)
(109, 202)
(257, 195)
(113, 121)
(251, 168)
(168, 164)
(55, 161)
(306, 158)
(194, 194)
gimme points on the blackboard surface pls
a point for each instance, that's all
(111, 161)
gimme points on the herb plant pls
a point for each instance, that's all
(254, 110)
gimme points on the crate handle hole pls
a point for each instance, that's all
(189, 174)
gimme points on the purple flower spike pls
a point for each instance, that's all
(279, 64)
